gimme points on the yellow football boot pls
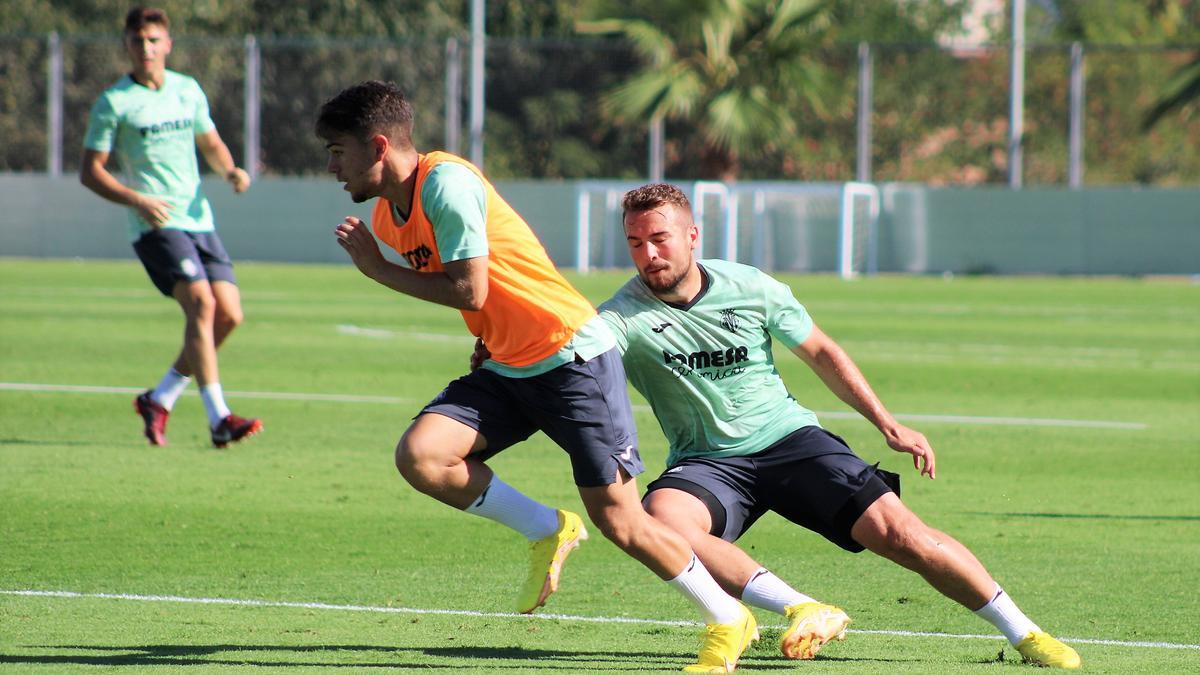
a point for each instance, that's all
(724, 643)
(1042, 649)
(546, 557)
(813, 624)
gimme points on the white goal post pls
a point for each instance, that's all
(776, 226)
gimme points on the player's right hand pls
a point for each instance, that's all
(153, 211)
(355, 237)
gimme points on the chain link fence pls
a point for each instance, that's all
(936, 115)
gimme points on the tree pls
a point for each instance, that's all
(732, 68)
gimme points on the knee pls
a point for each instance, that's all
(900, 540)
(200, 306)
(228, 318)
(896, 534)
(418, 461)
(621, 531)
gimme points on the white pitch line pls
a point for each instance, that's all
(272, 395)
(508, 615)
(394, 400)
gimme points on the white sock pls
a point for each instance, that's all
(1002, 613)
(697, 585)
(169, 388)
(503, 504)
(769, 592)
(214, 403)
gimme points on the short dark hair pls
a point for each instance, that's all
(653, 195)
(365, 109)
(140, 17)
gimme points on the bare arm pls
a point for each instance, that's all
(463, 284)
(833, 365)
(97, 178)
(220, 160)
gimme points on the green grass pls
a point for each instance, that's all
(1094, 531)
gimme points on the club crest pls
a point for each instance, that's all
(730, 320)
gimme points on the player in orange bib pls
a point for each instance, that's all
(553, 367)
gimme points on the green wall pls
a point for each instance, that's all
(1040, 230)
(922, 229)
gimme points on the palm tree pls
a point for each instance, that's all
(734, 69)
(1183, 89)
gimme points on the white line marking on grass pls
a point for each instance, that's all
(390, 400)
(386, 334)
(1001, 421)
(507, 615)
(271, 395)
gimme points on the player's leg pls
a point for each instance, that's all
(195, 298)
(170, 258)
(617, 511)
(218, 269)
(225, 315)
(712, 503)
(199, 304)
(584, 407)
(888, 528)
(442, 455)
(892, 530)
(433, 455)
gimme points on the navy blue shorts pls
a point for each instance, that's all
(170, 256)
(810, 477)
(582, 406)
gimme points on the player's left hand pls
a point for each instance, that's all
(902, 439)
(239, 179)
(355, 237)
(480, 355)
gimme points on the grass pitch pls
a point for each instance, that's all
(1064, 413)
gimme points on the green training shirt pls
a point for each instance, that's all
(706, 368)
(152, 133)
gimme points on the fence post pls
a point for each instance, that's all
(478, 34)
(252, 122)
(1016, 111)
(657, 137)
(453, 96)
(54, 106)
(1075, 148)
(866, 104)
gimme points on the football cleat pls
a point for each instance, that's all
(1041, 649)
(233, 429)
(813, 624)
(724, 643)
(154, 417)
(546, 558)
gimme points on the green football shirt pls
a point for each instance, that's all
(152, 133)
(706, 368)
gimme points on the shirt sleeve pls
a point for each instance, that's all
(202, 121)
(787, 320)
(102, 126)
(616, 323)
(455, 203)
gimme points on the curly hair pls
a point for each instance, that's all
(365, 109)
(655, 194)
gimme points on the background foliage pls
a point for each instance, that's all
(940, 113)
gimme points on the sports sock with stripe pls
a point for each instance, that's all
(1003, 613)
(698, 586)
(767, 591)
(505, 505)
